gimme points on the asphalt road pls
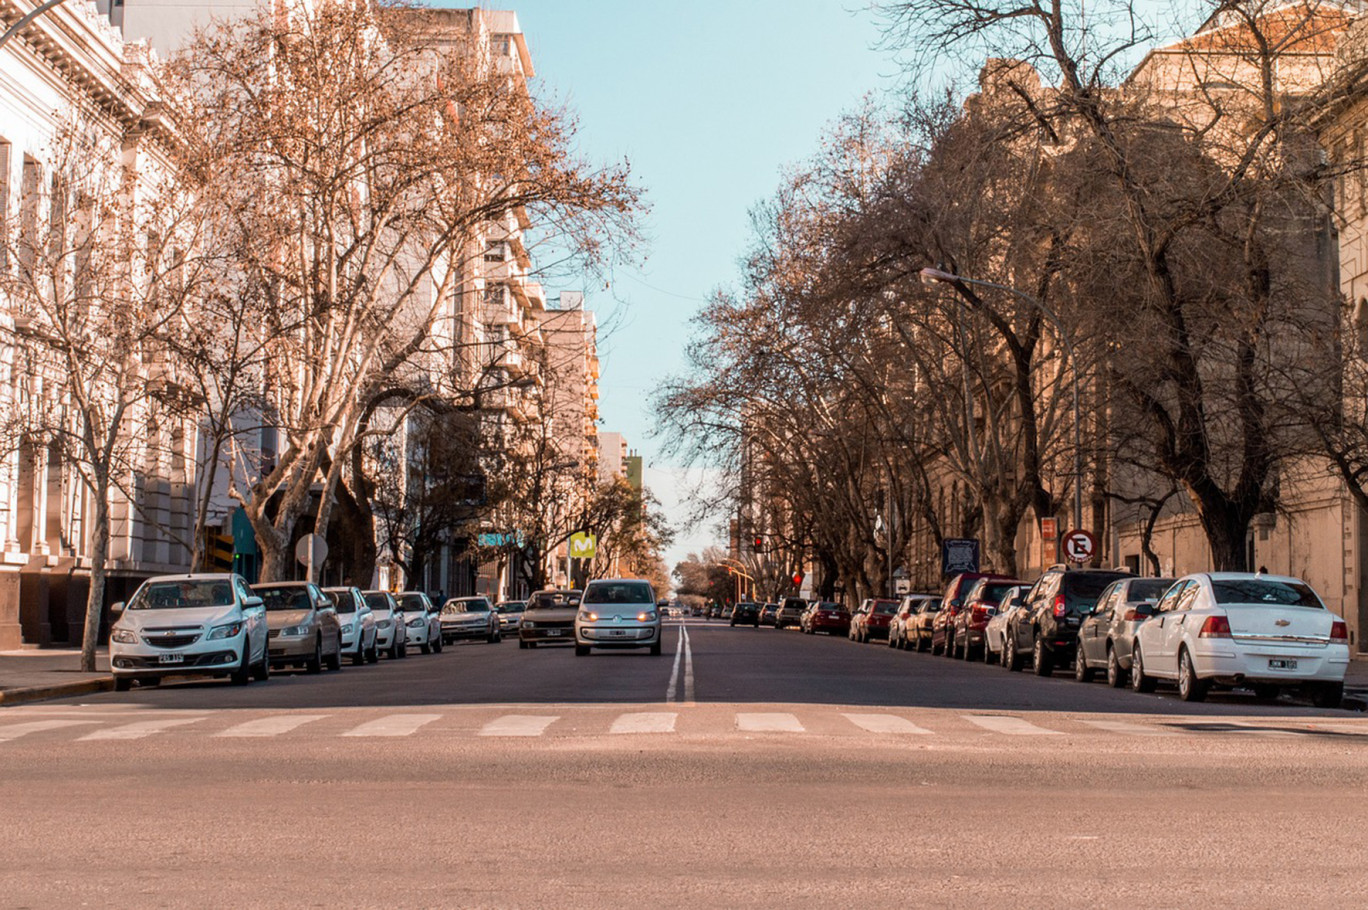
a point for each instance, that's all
(752, 768)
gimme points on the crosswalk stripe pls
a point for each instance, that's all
(646, 722)
(884, 723)
(141, 729)
(271, 726)
(1129, 729)
(393, 725)
(14, 731)
(1011, 726)
(519, 725)
(768, 723)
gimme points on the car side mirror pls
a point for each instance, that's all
(253, 602)
(116, 608)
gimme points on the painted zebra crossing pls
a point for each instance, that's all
(97, 726)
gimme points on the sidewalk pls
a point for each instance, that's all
(34, 674)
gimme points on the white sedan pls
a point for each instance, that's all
(1267, 632)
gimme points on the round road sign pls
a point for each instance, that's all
(1079, 546)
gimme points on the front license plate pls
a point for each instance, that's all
(553, 632)
(1282, 665)
(618, 633)
(171, 659)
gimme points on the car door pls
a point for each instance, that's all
(327, 618)
(254, 614)
(1176, 627)
(1092, 637)
(1152, 633)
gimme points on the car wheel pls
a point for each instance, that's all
(522, 645)
(243, 674)
(315, 664)
(437, 644)
(123, 683)
(1329, 695)
(394, 651)
(359, 657)
(988, 657)
(1042, 664)
(757, 624)
(1116, 676)
(425, 648)
(373, 655)
(922, 644)
(262, 672)
(531, 644)
(581, 650)
(1139, 681)
(1266, 692)
(1082, 672)
(335, 659)
(1190, 688)
(655, 649)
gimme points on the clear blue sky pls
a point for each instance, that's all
(708, 100)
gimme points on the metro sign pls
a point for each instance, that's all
(583, 545)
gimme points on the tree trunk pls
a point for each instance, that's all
(99, 553)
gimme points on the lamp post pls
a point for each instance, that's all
(739, 571)
(930, 274)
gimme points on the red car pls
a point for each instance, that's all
(832, 618)
(981, 603)
(942, 628)
(872, 620)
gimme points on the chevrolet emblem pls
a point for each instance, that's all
(1283, 622)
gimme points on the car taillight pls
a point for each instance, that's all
(980, 613)
(1215, 627)
(1134, 616)
(1059, 608)
(1339, 631)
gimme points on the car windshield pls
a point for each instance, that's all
(284, 598)
(931, 606)
(412, 602)
(342, 599)
(514, 607)
(554, 600)
(832, 608)
(992, 592)
(172, 595)
(887, 607)
(377, 600)
(1264, 591)
(1147, 589)
(474, 605)
(619, 592)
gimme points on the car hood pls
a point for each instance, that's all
(178, 617)
(280, 619)
(471, 618)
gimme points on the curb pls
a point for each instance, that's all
(61, 690)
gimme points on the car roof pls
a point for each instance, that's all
(194, 576)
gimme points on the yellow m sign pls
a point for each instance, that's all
(583, 546)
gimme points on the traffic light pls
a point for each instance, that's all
(759, 543)
(797, 578)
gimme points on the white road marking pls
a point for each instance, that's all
(646, 722)
(271, 726)
(140, 729)
(519, 725)
(393, 725)
(688, 666)
(768, 723)
(14, 731)
(1011, 726)
(673, 687)
(884, 723)
(1129, 729)
(684, 658)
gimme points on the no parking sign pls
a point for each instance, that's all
(1079, 546)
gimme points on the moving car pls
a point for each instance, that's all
(746, 612)
(1106, 639)
(304, 629)
(422, 624)
(1267, 632)
(510, 614)
(826, 616)
(391, 634)
(470, 617)
(549, 617)
(618, 613)
(358, 624)
(202, 624)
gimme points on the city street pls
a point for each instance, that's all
(750, 767)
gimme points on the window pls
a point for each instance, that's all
(1171, 598)
(496, 251)
(495, 296)
(1258, 592)
(29, 192)
(1185, 600)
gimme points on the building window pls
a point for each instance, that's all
(496, 251)
(495, 296)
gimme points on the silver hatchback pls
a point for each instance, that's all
(618, 613)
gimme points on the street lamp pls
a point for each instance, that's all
(739, 570)
(929, 274)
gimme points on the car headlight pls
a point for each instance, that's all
(301, 629)
(232, 630)
(588, 616)
(528, 624)
(383, 624)
(417, 623)
(347, 629)
(124, 636)
(646, 617)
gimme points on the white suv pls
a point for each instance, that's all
(208, 624)
(618, 613)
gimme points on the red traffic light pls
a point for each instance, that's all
(797, 579)
(759, 543)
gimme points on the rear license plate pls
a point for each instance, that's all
(1282, 665)
(171, 659)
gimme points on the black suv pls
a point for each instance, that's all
(746, 612)
(1047, 628)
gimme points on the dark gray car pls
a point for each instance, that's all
(1107, 635)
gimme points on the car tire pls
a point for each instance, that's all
(922, 644)
(531, 644)
(1116, 674)
(490, 639)
(1190, 688)
(394, 652)
(123, 683)
(988, 657)
(655, 649)
(1265, 692)
(1328, 695)
(373, 655)
(243, 674)
(757, 624)
(425, 648)
(315, 664)
(522, 645)
(437, 645)
(581, 650)
(262, 671)
(335, 659)
(1138, 680)
(1042, 662)
(359, 657)
(1082, 672)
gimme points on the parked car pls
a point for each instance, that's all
(980, 605)
(767, 614)
(510, 614)
(902, 627)
(618, 613)
(391, 633)
(203, 624)
(826, 616)
(873, 622)
(920, 624)
(358, 624)
(470, 617)
(1048, 628)
(304, 628)
(549, 617)
(422, 621)
(1013, 599)
(746, 612)
(1266, 632)
(1106, 639)
(952, 601)
(790, 613)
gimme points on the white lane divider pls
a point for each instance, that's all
(885, 723)
(768, 723)
(645, 722)
(393, 725)
(139, 730)
(271, 726)
(14, 731)
(683, 659)
(1011, 726)
(1128, 729)
(519, 725)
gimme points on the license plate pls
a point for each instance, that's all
(618, 633)
(171, 659)
(553, 632)
(1282, 665)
